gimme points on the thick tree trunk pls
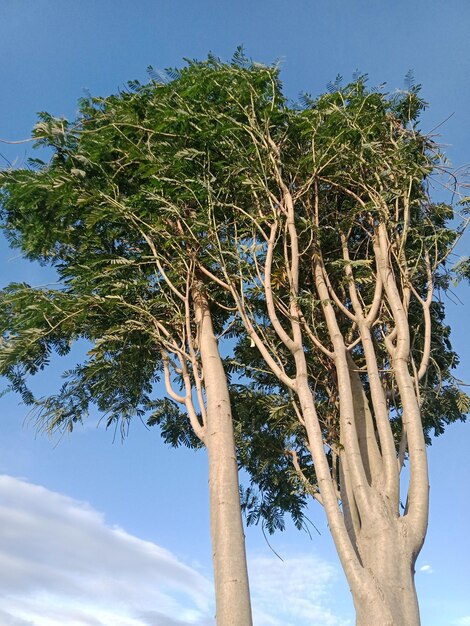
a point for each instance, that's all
(388, 596)
(377, 547)
(232, 592)
(381, 608)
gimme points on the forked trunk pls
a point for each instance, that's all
(388, 596)
(377, 546)
(232, 592)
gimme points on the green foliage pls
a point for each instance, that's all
(358, 154)
(266, 432)
(177, 181)
(174, 428)
(462, 269)
(128, 181)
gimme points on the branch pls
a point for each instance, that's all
(168, 385)
(349, 436)
(281, 333)
(275, 368)
(311, 489)
(416, 517)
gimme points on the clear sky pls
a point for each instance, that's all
(96, 532)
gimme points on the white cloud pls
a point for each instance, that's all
(463, 621)
(293, 592)
(60, 563)
(427, 569)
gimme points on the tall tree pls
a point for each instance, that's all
(207, 205)
(121, 212)
(343, 256)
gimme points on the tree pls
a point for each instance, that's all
(119, 212)
(208, 205)
(342, 252)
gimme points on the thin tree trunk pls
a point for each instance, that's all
(233, 607)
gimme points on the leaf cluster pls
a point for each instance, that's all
(180, 180)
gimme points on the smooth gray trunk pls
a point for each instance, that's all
(382, 608)
(233, 607)
(388, 597)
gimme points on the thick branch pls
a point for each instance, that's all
(365, 428)
(347, 420)
(418, 494)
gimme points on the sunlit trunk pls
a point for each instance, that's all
(388, 597)
(233, 606)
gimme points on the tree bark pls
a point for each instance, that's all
(377, 547)
(233, 607)
(389, 596)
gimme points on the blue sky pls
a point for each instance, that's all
(96, 532)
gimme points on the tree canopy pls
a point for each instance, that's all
(310, 230)
(148, 176)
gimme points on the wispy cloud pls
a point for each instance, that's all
(463, 621)
(293, 592)
(60, 563)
